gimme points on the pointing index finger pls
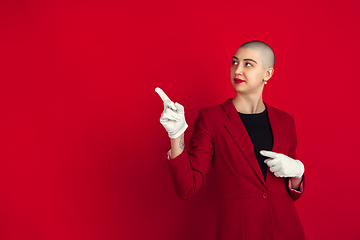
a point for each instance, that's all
(269, 154)
(161, 93)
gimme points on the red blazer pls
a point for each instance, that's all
(248, 207)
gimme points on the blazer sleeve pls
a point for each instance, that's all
(295, 194)
(189, 168)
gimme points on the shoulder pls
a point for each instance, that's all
(215, 113)
(282, 116)
(217, 110)
(212, 109)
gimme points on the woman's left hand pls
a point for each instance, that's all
(282, 165)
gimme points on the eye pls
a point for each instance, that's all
(234, 62)
(248, 64)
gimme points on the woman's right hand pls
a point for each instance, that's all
(173, 116)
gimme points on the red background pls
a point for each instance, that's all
(81, 146)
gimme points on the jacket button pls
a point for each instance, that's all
(265, 195)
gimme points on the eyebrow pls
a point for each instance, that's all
(246, 59)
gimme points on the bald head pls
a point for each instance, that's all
(266, 53)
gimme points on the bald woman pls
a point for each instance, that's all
(252, 147)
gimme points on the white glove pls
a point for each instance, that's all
(173, 116)
(282, 165)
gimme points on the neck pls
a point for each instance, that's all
(248, 104)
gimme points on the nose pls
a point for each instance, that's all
(239, 70)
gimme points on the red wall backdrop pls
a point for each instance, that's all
(81, 146)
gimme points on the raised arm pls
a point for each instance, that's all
(173, 120)
(187, 169)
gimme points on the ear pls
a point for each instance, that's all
(268, 74)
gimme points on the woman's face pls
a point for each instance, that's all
(247, 73)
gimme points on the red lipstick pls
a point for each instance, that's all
(238, 80)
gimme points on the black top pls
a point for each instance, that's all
(258, 127)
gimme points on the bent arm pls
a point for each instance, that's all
(188, 169)
(295, 183)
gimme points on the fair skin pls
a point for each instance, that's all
(247, 66)
(248, 75)
(177, 146)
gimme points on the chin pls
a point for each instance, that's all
(237, 87)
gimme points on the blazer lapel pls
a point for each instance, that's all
(238, 132)
(279, 135)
